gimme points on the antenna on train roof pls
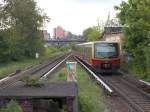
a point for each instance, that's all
(108, 19)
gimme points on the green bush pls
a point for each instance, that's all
(136, 70)
(53, 106)
(139, 66)
(4, 48)
(86, 104)
(12, 106)
(31, 81)
(62, 76)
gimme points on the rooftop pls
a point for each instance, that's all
(111, 30)
(48, 90)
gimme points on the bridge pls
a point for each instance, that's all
(63, 41)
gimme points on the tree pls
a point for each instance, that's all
(4, 47)
(91, 34)
(22, 19)
(134, 15)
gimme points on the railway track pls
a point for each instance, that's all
(134, 96)
(138, 99)
(38, 71)
(45, 68)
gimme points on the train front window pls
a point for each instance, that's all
(106, 50)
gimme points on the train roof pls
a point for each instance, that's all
(89, 44)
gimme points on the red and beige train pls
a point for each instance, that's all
(103, 56)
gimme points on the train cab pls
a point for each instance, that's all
(103, 56)
(106, 57)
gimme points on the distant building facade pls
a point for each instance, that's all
(45, 35)
(59, 33)
(66, 34)
(113, 32)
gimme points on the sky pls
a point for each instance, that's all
(77, 15)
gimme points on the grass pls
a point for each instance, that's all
(61, 75)
(11, 67)
(89, 92)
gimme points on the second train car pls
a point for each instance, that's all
(103, 56)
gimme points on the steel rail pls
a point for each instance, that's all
(38, 68)
(95, 76)
(56, 66)
(147, 83)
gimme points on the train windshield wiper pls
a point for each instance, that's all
(112, 56)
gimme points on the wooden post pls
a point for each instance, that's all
(70, 104)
